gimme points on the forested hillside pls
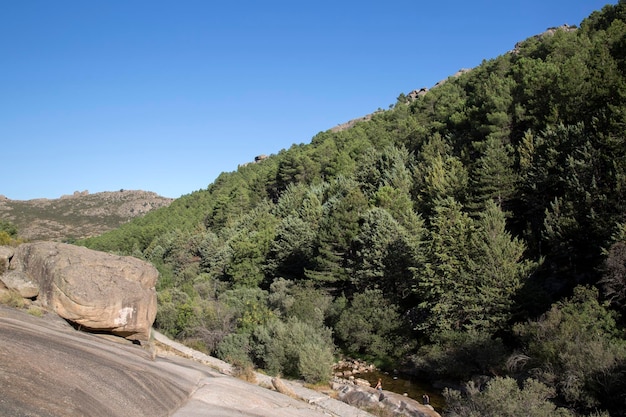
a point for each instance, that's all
(476, 230)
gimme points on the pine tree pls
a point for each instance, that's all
(493, 177)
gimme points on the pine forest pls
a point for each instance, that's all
(474, 234)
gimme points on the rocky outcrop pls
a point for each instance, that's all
(281, 387)
(549, 32)
(94, 290)
(79, 215)
(19, 282)
(50, 370)
(393, 404)
(351, 123)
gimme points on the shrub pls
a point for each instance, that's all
(5, 238)
(614, 274)
(575, 347)
(456, 354)
(235, 349)
(315, 363)
(371, 326)
(307, 303)
(249, 306)
(8, 228)
(245, 372)
(503, 398)
(12, 299)
(35, 311)
(295, 349)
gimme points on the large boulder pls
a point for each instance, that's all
(95, 290)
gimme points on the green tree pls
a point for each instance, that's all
(372, 326)
(500, 270)
(389, 167)
(493, 177)
(445, 284)
(302, 301)
(383, 255)
(338, 226)
(613, 281)
(249, 244)
(291, 251)
(456, 355)
(296, 166)
(438, 175)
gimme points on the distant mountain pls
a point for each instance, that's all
(79, 215)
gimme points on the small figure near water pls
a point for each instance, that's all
(379, 388)
(379, 385)
(426, 399)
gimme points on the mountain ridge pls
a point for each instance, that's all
(79, 215)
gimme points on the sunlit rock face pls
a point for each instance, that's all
(94, 290)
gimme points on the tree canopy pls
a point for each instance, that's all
(466, 220)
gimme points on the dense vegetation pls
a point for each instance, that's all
(477, 230)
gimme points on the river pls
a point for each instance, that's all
(402, 384)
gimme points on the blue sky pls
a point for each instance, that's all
(163, 96)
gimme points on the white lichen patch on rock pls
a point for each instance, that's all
(124, 316)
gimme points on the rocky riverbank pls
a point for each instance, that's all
(353, 380)
(50, 369)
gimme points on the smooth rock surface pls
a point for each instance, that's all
(48, 369)
(95, 290)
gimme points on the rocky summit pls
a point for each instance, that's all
(78, 215)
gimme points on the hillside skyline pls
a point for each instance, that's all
(149, 97)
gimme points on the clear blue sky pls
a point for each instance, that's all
(163, 96)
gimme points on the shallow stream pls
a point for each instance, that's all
(402, 384)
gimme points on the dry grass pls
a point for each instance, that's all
(12, 299)
(35, 311)
(245, 372)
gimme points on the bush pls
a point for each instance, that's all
(249, 306)
(12, 299)
(9, 228)
(235, 349)
(307, 303)
(295, 349)
(457, 355)
(575, 347)
(372, 326)
(245, 372)
(5, 238)
(503, 398)
(315, 363)
(36, 311)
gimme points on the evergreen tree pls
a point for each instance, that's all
(493, 177)
(438, 175)
(500, 270)
(383, 254)
(342, 209)
(445, 283)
